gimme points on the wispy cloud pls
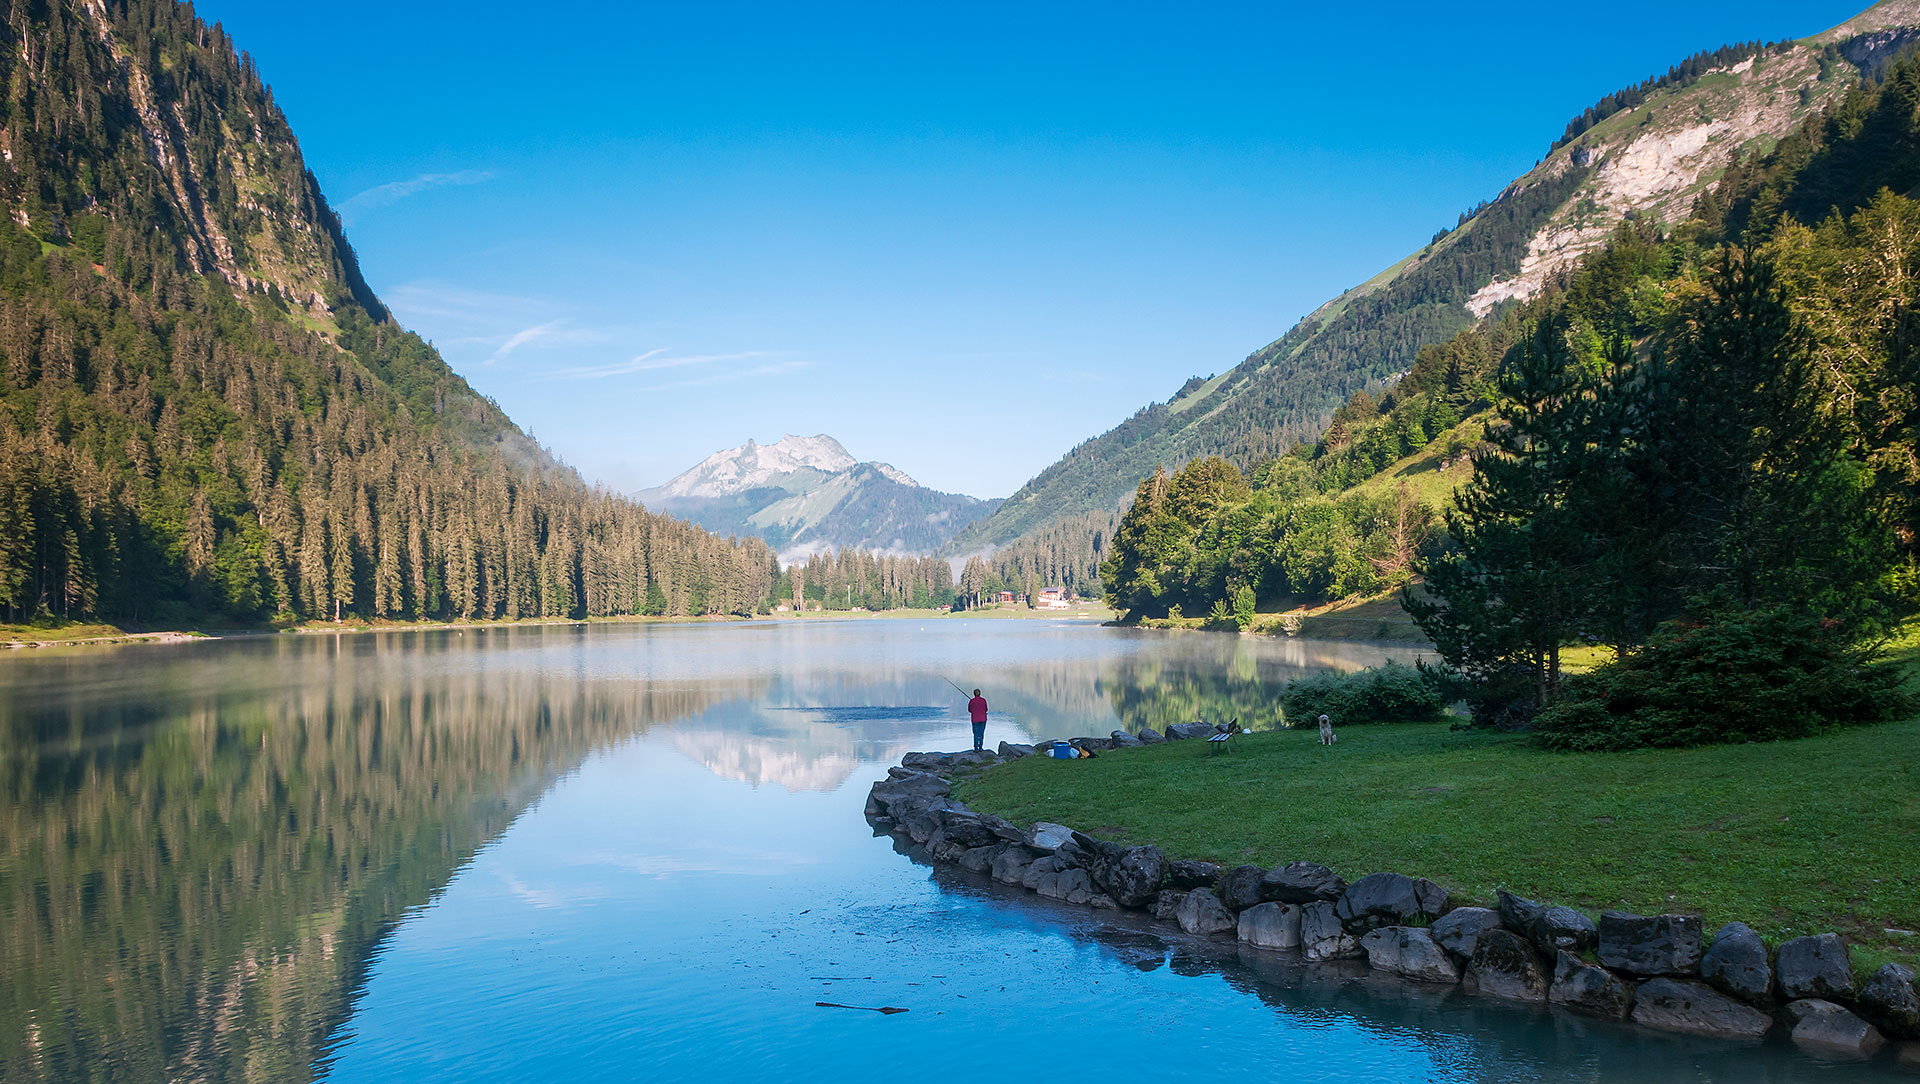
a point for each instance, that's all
(650, 361)
(394, 191)
(736, 374)
(522, 337)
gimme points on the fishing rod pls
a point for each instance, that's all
(956, 688)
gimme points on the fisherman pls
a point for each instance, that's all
(977, 710)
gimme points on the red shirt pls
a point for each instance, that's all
(977, 707)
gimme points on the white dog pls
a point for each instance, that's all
(1326, 731)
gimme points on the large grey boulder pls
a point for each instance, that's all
(1557, 928)
(1150, 736)
(1047, 837)
(1458, 931)
(1585, 988)
(1830, 1029)
(1179, 731)
(1694, 1008)
(1650, 944)
(1240, 887)
(1891, 1001)
(980, 859)
(1409, 951)
(1301, 882)
(889, 794)
(1014, 751)
(1271, 926)
(1200, 912)
(921, 819)
(1517, 912)
(1069, 885)
(1123, 740)
(1323, 937)
(1132, 876)
(1187, 874)
(1505, 965)
(1815, 966)
(1010, 865)
(1736, 963)
(1389, 899)
(966, 828)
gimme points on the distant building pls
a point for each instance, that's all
(1007, 597)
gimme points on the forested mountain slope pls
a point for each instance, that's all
(204, 411)
(1648, 150)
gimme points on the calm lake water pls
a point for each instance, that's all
(633, 852)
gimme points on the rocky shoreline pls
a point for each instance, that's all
(1659, 972)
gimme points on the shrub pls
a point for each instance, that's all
(1729, 676)
(1390, 693)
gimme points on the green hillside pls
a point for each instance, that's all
(204, 411)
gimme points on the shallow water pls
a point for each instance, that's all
(630, 852)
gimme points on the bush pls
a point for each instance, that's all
(1730, 676)
(1390, 693)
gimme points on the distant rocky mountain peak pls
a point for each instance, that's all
(806, 494)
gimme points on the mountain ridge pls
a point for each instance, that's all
(1652, 159)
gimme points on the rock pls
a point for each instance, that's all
(1150, 736)
(964, 826)
(1830, 1029)
(1504, 964)
(1070, 885)
(895, 791)
(1189, 730)
(1389, 899)
(1200, 912)
(1012, 751)
(1010, 865)
(1271, 926)
(980, 859)
(1409, 951)
(1132, 875)
(1650, 944)
(947, 763)
(1814, 966)
(1123, 740)
(1301, 882)
(1517, 912)
(1185, 873)
(1581, 986)
(1556, 928)
(1045, 866)
(1736, 964)
(1891, 1001)
(920, 820)
(1240, 887)
(1694, 1008)
(1166, 905)
(1047, 837)
(1096, 745)
(1100, 901)
(1322, 936)
(1459, 930)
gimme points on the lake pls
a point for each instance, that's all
(636, 852)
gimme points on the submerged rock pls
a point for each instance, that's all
(1694, 1008)
(1736, 963)
(1650, 944)
(1166, 905)
(1409, 951)
(1200, 912)
(1830, 1029)
(1580, 985)
(1459, 930)
(1815, 966)
(1505, 965)
(1271, 926)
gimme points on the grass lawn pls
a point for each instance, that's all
(1789, 837)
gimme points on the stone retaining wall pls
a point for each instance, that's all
(1658, 971)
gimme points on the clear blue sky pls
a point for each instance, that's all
(960, 240)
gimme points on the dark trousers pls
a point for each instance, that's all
(979, 733)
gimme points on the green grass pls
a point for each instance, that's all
(1789, 837)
